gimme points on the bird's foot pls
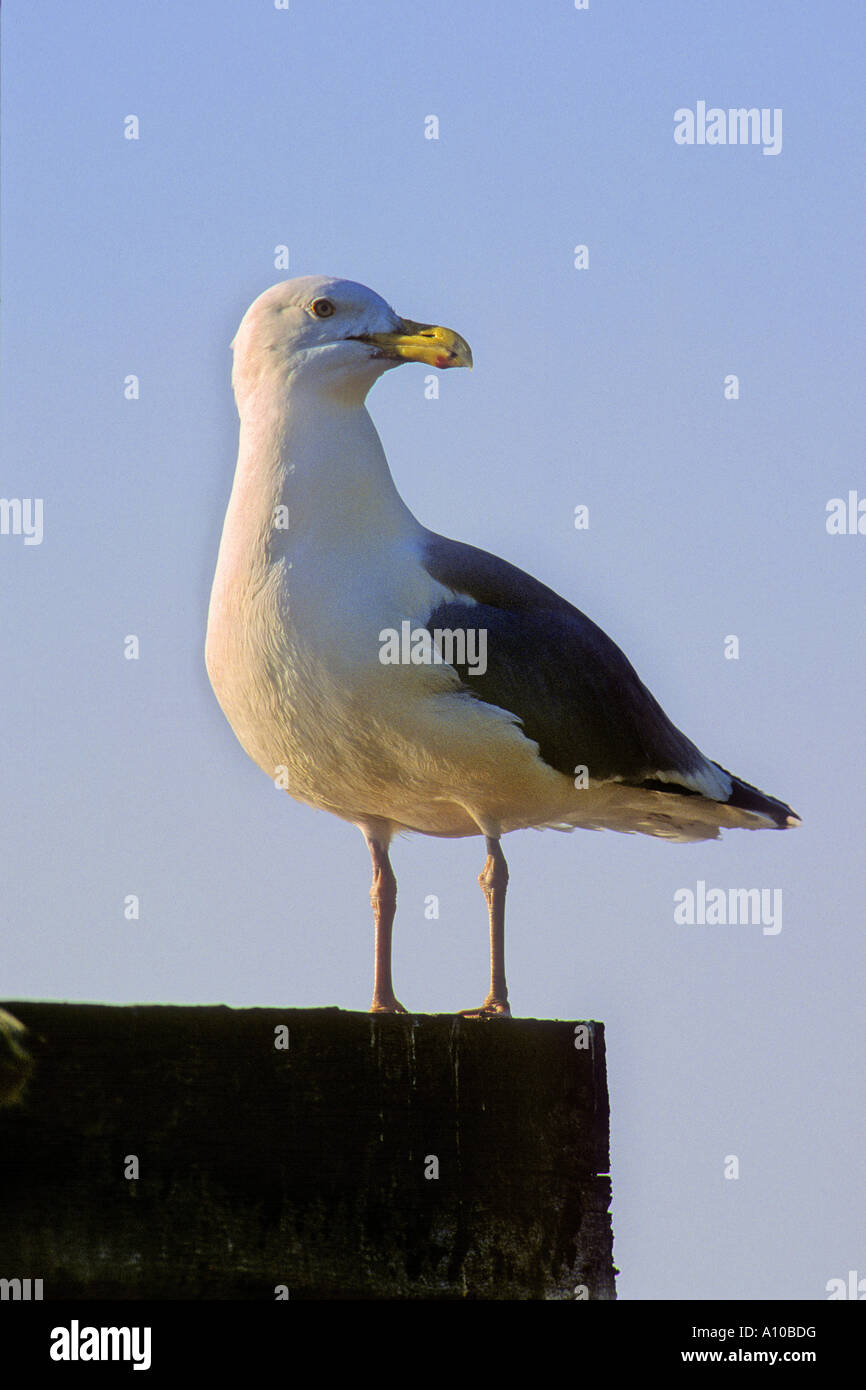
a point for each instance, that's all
(491, 1008)
(387, 1006)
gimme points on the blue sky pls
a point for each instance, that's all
(604, 387)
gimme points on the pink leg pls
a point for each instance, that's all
(383, 896)
(494, 881)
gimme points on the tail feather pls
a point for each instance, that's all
(725, 791)
(745, 797)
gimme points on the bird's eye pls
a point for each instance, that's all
(323, 308)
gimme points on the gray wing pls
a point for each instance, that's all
(575, 693)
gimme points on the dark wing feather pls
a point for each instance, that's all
(575, 693)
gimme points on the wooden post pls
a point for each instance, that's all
(215, 1153)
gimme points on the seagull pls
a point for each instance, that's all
(401, 680)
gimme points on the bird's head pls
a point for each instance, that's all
(335, 334)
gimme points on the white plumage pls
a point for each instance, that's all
(320, 555)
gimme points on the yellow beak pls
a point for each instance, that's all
(423, 342)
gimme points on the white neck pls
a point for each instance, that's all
(318, 455)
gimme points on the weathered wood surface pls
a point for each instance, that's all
(306, 1168)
